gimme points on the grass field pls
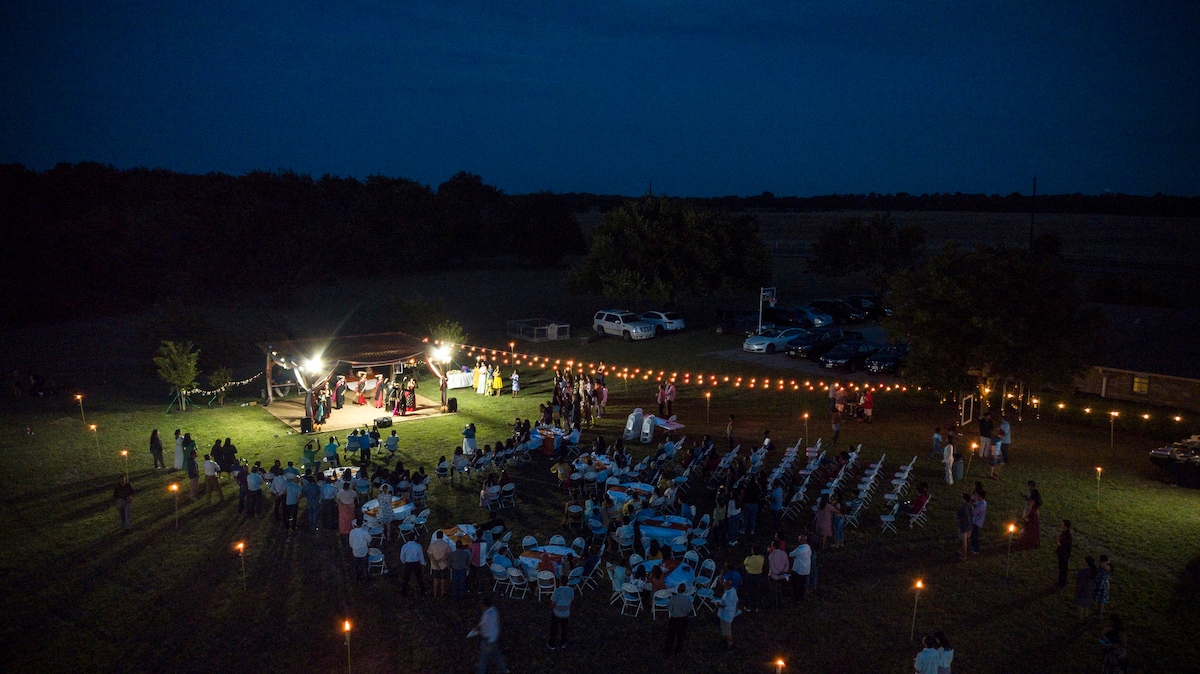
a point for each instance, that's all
(82, 597)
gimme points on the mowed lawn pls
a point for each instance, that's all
(82, 597)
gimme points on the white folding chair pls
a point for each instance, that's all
(889, 520)
(662, 599)
(528, 542)
(545, 584)
(630, 599)
(556, 539)
(517, 582)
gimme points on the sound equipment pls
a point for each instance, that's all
(452, 405)
(306, 425)
(383, 422)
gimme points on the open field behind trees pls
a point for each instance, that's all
(85, 597)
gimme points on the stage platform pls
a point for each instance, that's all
(291, 410)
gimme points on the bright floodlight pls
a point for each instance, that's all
(312, 365)
(442, 354)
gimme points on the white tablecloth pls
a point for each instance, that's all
(663, 534)
(582, 465)
(467, 530)
(399, 512)
(458, 380)
(619, 497)
(530, 564)
(682, 573)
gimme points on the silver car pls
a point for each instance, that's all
(664, 321)
(621, 323)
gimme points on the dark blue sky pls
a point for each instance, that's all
(702, 98)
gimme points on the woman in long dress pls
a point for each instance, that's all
(178, 450)
(469, 444)
(516, 383)
(485, 380)
(346, 500)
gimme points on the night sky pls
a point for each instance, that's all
(700, 98)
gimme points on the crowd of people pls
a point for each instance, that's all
(776, 570)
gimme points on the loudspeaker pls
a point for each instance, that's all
(452, 404)
(383, 422)
(306, 425)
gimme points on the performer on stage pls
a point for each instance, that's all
(412, 395)
(379, 394)
(475, 374)
(362, 387)
(339, 392)
(394, 397)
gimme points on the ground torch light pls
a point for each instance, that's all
(96, 438)
(241, 548)
(707, 405)
(346, 629)
(175, 490)
(125, 453)
(79, 397)
(1012, 528)
(916, 598)
(1099, 470)
(1112, 429)
(807, 440)
(779, 666)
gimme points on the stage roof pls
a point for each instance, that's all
(375, 349)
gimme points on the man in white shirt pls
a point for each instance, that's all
(211, 481)
(561, 599)
(928, 660)
(360, 543)
(801, 566)
(279, 490)
(489, 636)
(413, 559)
(679, 609)
(727, 612)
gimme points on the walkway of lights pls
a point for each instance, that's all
(626, 373)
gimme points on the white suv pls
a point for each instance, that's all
(623, 323)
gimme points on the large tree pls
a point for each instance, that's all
(980, 317)
(874, 246)
(176, 364)
(665, 249)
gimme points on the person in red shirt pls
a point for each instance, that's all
(868, 405)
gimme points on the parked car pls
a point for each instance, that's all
(664, 321)
(817, 341)
(887, 360)
(619, 322)
(871, 305)
(738, 322)
(848, 355)
(771, 340)
(841, 312)
(800, 317)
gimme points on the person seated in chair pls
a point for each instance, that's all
(918, 503)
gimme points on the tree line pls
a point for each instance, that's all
(89, 239)
(1158, 205)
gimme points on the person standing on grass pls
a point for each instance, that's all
(291, 504)
(438, 553)
(948, 461)
(729, 432)
(211, 481)
(935, 450)
(868, 405)
(459, 562)
(777, 564)
(1031, 536)
(331, 452)
(279, 491)
(346, 499)
(928, 660)
(240, 471)
(360, 544)
(733, 514)
(1005, 438)
(755, 564)
(179, 456)
(560, 615)
(801, 567)
(670, 395)
(193, 473)
(488, 630)
(312, 502)
(1085, 588)
(1103, 579)
(515, 378)
(985, 435)
(254, 487)
(963, 518)
(978, 517)
(945, 652)
(728, 610)
(413, 559)
(123, 499)
(1063, 552)
(156, 450)
(679, 610)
